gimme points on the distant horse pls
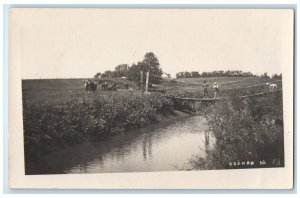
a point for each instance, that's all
(90, 87)
(93, 87)
(104, 86)
(272, 86)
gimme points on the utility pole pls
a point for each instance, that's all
(142, 83)
(147, 81)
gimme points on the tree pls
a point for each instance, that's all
(187, 74)
(277, 76)
(204, 74)
(220, 73)
(109, 74)
(151, 64)
(134, 72)
(98, 75)
(180, 75)
(266, 75)
(121, 70)
(195, 74)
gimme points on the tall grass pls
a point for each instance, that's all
(246, 130)
(55, 124)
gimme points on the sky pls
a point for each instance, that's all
(78, 43)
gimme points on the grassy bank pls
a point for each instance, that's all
(249, 134)
(78, 118)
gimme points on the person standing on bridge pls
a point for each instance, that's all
(205, 89)
(216, 88)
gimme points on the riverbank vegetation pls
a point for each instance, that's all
(71, 119)
(248, 133)
(58, 113)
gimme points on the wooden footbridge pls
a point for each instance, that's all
(220, 99)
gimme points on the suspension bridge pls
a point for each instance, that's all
(220, 99)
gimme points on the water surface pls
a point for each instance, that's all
(160, 147)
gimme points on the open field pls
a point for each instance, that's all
(228, 86)
(58, 113)
(59, 89)
(226, 82)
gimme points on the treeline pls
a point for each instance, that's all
(120, 71)
(221, 73)
(149, 64)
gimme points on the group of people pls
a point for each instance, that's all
(104, 86)
(90, 86)
(205, 90)
(271, 86)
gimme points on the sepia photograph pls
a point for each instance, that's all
(152, 90)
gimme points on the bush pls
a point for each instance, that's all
(245, 130)
(50, 125)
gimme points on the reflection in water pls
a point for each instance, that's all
(162, 147)
(147, 150)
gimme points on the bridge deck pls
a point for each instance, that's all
(218, 99)
(260, 94)
(200, 99)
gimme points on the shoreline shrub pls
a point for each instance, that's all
(245, 130)
(74, 120)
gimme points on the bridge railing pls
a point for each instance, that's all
(196, 92)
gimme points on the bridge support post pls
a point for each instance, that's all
(147, 81)
(142, 83)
